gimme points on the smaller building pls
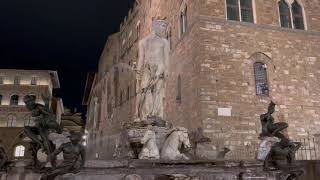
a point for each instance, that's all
(14, 86)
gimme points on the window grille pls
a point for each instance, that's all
(297, 16)
(260, 74)
(284, 14)
(233, 10)
(246, 11)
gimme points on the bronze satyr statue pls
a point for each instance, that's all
(45, 123)
(285, 148)
(72, 151)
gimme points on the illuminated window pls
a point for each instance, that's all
(17, 80)
(34, 81)
(297, 16)
(28, 121)
(260, 74)
(284, 11)
(14, 101)
(12, 121)
(19, 151)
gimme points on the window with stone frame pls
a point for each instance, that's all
(28, 121)
(246, 11)
(179, 90)
(17, 80)
(261, 79)
(12, 121)
(1, 80)
(183, 21)
(297, 16)
(240, 10)
(285, 17)
(14, 100)
(0, 99)
(34, 81)
(233, 10)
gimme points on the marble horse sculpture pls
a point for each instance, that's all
(150, 149)
(175, 141)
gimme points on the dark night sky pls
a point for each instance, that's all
(63, 35)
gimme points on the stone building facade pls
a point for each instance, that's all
(228, 59)
(14, 85)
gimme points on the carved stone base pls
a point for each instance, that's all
(179, 170)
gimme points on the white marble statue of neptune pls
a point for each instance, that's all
(152, 70)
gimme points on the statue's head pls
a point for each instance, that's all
(75, 137)
(159, 26)
(29, 101)
(271, 107)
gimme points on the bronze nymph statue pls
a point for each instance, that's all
(45, 122)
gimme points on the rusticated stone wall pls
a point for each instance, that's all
(214, 60)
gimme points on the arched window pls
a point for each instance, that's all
(183, 21)
(19, 151)
(12, 121)
(14, 100)
(284, 11)
(297, 15)
(233, 10)
(246, 11)
(28, 121)
(260, 75)
(0, 99)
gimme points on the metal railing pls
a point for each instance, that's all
(309, 150)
